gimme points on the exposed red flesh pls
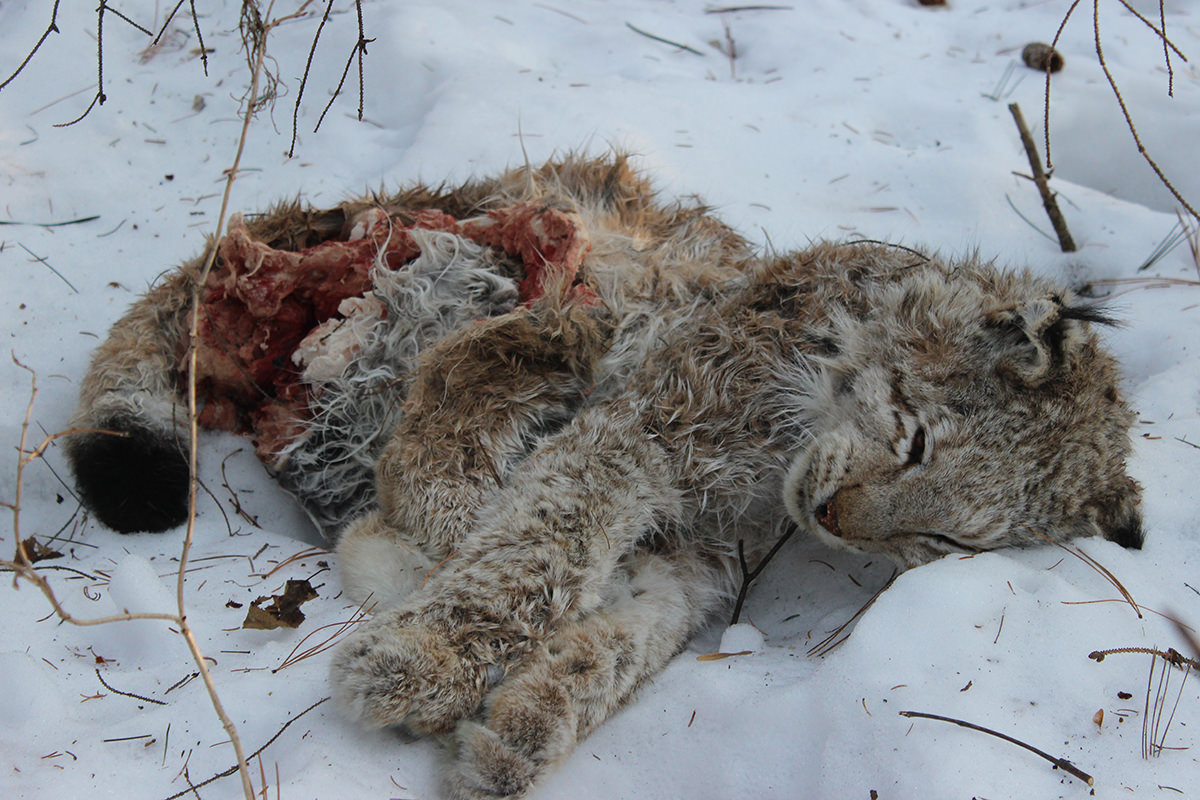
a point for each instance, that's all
(260, 303)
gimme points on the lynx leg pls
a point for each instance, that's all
(582, 674)
(543, 550)
(478, 404)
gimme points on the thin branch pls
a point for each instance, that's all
(1039, 177)
(51, 28)
(749, 575)
(1171, 655)
(1046, 94)
(1128, 117)
(167, 22)
(255, 754)
(254, 37)
(304, 78)
(127, 19)
(199, 37)
(359, 50)
(105, 684)
(1060, 763)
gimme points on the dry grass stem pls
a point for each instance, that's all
(341, 629)
(826, 645)
(1154, 730)
(1095, 565)
(305, 553)
(649, 35)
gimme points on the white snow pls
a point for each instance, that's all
(841, 118)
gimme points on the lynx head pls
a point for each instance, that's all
(963, 409)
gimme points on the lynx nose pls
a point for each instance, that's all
(827, 516)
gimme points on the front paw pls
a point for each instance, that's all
(396, 671)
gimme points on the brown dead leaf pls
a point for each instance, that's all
(283, 611)
(36, 551)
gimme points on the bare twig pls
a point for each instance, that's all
(1060, 763)
(749, 575)
(167, 22)
(199, 36)
(105, 684)
(225, 773)
(304, 78)
(1170, 655)
(254, 37)
(359, 50)
(1168, 48)
(51, 28)
(1039, 177)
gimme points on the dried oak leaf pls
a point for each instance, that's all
(36, 551)
(283, 611)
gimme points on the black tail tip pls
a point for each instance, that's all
(134, 482)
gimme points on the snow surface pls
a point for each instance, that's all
(840, 118)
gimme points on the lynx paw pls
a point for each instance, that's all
(530, 727)
(377, 563)
(394, 671)
(488, 767)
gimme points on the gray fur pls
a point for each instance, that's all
(331, 470)
(563, 485)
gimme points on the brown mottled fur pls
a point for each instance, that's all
(582, 468)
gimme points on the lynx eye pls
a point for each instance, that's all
(916, 448)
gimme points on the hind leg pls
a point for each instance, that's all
(478, 403)
(580, 676)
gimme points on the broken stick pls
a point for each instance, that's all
(1060, 763)
(1042, 181)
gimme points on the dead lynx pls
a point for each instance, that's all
(580, 399)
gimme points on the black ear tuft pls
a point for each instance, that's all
(1093, 313)
(135, 482)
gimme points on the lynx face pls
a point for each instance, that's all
(964, 421)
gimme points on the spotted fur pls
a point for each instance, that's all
(560, 486)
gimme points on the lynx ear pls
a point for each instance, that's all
(1040, 335)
